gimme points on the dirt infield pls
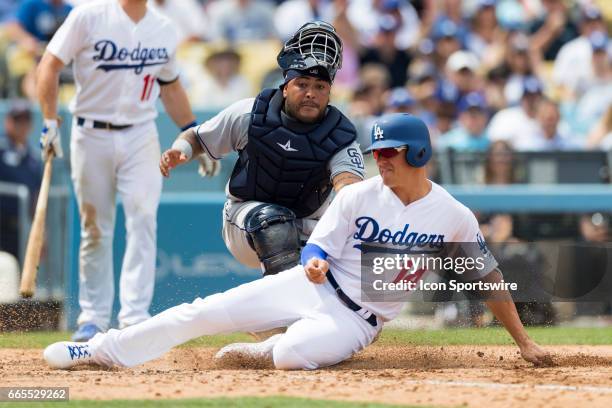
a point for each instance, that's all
(492, 376)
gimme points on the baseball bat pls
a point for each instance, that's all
(37, 234)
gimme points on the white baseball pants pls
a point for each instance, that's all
(321, 330)
(104, 163)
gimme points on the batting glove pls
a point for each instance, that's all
(208, 167)
(50, 140)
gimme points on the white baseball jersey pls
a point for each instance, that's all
(369, 212)
(116, 62)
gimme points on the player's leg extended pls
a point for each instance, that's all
(326, 335)
(93, 176)
(259, 305)
(330, 334)
(139, 183)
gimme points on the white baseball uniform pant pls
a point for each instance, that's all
(235, 235)
(322, 331)
(104, 163)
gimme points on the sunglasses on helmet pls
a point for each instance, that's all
(388, 152)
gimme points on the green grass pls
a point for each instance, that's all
(243, 402)
(43, 339)
(492, 336)
(497, 336)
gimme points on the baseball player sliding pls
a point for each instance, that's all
(320, 300)
(123, 56)
(294, 151)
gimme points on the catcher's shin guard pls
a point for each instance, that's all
(273, 235)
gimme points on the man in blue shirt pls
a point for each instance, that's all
(470, 135)
(35, 22)
(17, 165)
(41, 18)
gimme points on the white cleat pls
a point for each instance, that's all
(248, 354)
(67, 354)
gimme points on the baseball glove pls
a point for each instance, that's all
(208, 167)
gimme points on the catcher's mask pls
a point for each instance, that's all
(315, 44)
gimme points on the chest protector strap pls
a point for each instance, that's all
(282, 166)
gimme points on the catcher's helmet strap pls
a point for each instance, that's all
(316, 72)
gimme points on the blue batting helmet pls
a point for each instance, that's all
(403, 129)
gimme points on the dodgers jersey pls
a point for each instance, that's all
(116, 62)
(370, 212)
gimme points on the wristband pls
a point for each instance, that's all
(189, 126)
(312, 251)
(184, 147)
(50, 123)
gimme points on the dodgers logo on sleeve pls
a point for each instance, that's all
(482, 245)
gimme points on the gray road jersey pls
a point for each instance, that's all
(228, 131)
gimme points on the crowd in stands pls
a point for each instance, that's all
(488, 76)
(534, 73)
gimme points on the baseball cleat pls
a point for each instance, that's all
(249, 354)
(85, 332)
(66, 354)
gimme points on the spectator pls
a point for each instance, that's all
(461, 69)
(450, 12)
(400, 100)
(596, 92)
(595, 227)
(499, 164)
(7, 10)
(35, 23)
(18, 164)
(517, 66)
(445, 35)
(368, 100)
(364, 15)
(601, 134)
(486, 39)
(375, 77)
(552, 29)
(384, 51)
(222, 84)
(446, 98)
(515, 15)
(422, 86)
(550, 136)
(292, 14)
(241, 20)
(188, 17)
(470, 135)
(514, 124)
(573, 63)
(494, 87)
(347, 77)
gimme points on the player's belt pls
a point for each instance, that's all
(348, 302)
(100, 125)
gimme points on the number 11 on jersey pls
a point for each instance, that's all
(149, 81)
